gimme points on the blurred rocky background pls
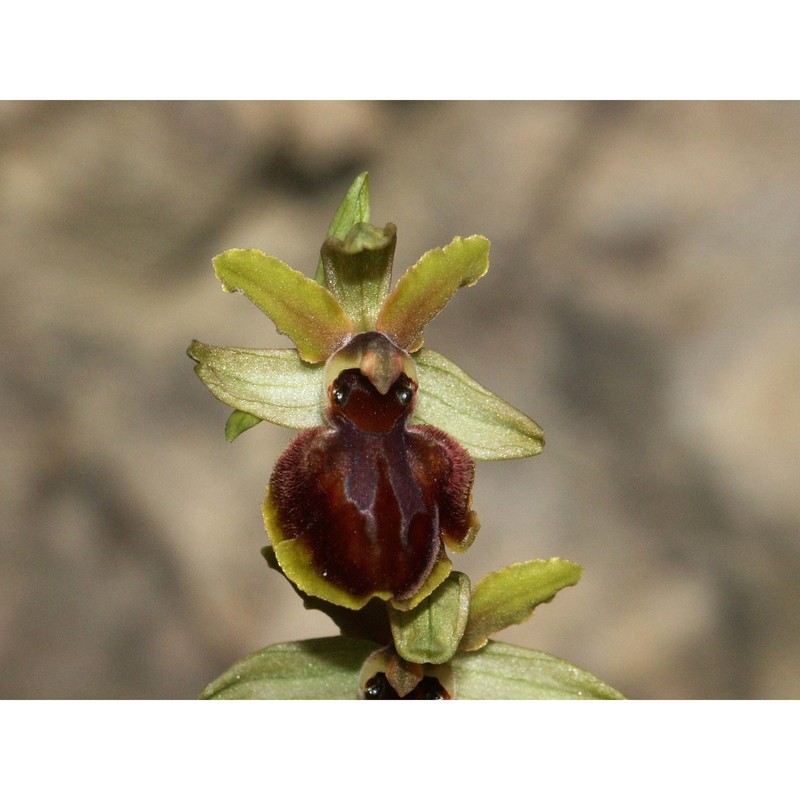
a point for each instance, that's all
(643, 305)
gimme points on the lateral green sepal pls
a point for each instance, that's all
(315, 669)
(506, 672)
(487, 426)
(276, 385)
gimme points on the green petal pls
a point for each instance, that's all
(353, 208)
(358, 271)
(431, 632)
(509, 596)
(317, 669)
(488, 427)
(300, 308)
(425, 288)
(275, 385)
(504, 672)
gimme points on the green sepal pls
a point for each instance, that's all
(358, 271)
(487, 426)
(424, 290)
(316, 669)
(330, 669)
(355, 207)
(300, 308)
(505, 672)
(239, 422)
(510, 595)
(276, 385)
(430, 633)
(371, 622)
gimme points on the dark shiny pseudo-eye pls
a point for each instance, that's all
(370, 496)
(429, 688)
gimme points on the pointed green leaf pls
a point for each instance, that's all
(358, 271)
(487, 426)
(505, 672)
(353, 208)
(430, 632)
(239, 422)
(427, 286)
(317, 669)
(275, 385)
(510, 595)
(300, 308)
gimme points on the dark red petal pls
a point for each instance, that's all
(371, 499)
(354, 502)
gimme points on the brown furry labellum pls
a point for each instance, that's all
(371, 496)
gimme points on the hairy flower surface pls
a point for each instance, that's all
(362, 502)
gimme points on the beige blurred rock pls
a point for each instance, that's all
(642, 305)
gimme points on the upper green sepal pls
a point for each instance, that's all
(275, 385)
(510, 595)
(487, 426)
(424, 290)
(355, 207)
(300, 308)
(358, 271)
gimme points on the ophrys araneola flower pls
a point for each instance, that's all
(362, 502)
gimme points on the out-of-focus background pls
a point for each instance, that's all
(643, 305)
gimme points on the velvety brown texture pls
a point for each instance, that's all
(370, 495)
